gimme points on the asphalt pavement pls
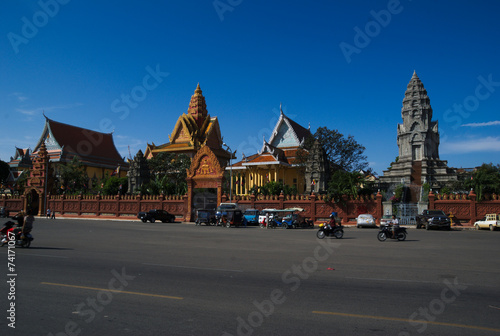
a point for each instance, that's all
(98, 277)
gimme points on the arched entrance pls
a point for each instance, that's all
(205, 172)
(33, 201)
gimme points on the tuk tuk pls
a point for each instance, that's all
(291, 219)
(232, 217)
(205, 216)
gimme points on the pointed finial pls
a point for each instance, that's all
(414, 74)
(281, 111)
(198, 89)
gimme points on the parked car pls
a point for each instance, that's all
(365, 220)
(206, 216)
(490, 221)
(251, 216)
(154, 215)
(433, 219)
(386, 219)
(4, 213)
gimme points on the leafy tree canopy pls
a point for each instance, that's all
(343, 152)
(486, 180)
(348, 183)
(168, 173)
(114, 185)
(74, 178)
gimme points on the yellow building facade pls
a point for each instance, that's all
(277, 160)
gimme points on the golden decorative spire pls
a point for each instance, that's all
(198, 107)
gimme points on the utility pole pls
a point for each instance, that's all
(230, 172)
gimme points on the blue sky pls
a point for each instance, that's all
(340, 64)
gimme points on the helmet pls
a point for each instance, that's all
(333, 214)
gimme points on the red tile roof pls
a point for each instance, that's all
(92, 147)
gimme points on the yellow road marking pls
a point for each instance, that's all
(114, 291)
(407, 320)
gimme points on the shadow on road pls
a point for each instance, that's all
(49, 248)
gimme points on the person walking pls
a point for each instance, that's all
(48, 213)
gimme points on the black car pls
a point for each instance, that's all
(433, 219)
(154, 215)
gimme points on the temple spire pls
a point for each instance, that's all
(198, 107)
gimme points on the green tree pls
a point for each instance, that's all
(347, 183)
(485, 180)
(275, 188)
(169, 174)
(114, 185)
(74, 178)
(343, 153)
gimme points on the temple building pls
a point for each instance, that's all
(19, 163)
(193, 129)
(278, 161)
(95, 150)
(418, 142)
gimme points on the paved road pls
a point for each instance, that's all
(84, 277)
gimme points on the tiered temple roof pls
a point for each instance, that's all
(281, 149)
(193, 130)
(93, 148)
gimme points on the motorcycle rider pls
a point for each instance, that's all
(26, 226)
(332, 223)
(395, 225)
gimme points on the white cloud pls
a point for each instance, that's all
(20, 96)
(488, 144)
(37, 110)
(489, 123)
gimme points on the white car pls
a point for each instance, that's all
(490, 221)
(365, 220)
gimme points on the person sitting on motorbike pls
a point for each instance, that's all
(19, 217)
(332, 223)
(26, 227)
(395, 225)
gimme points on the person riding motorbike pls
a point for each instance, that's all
(25, 224)
(333, 221)
(395, 225)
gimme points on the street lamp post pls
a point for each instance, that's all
(230, 172)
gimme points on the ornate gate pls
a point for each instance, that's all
(205, 171)
(407, 213)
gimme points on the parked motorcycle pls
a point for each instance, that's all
(21, 239)
(386, 232)
(326, 230)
